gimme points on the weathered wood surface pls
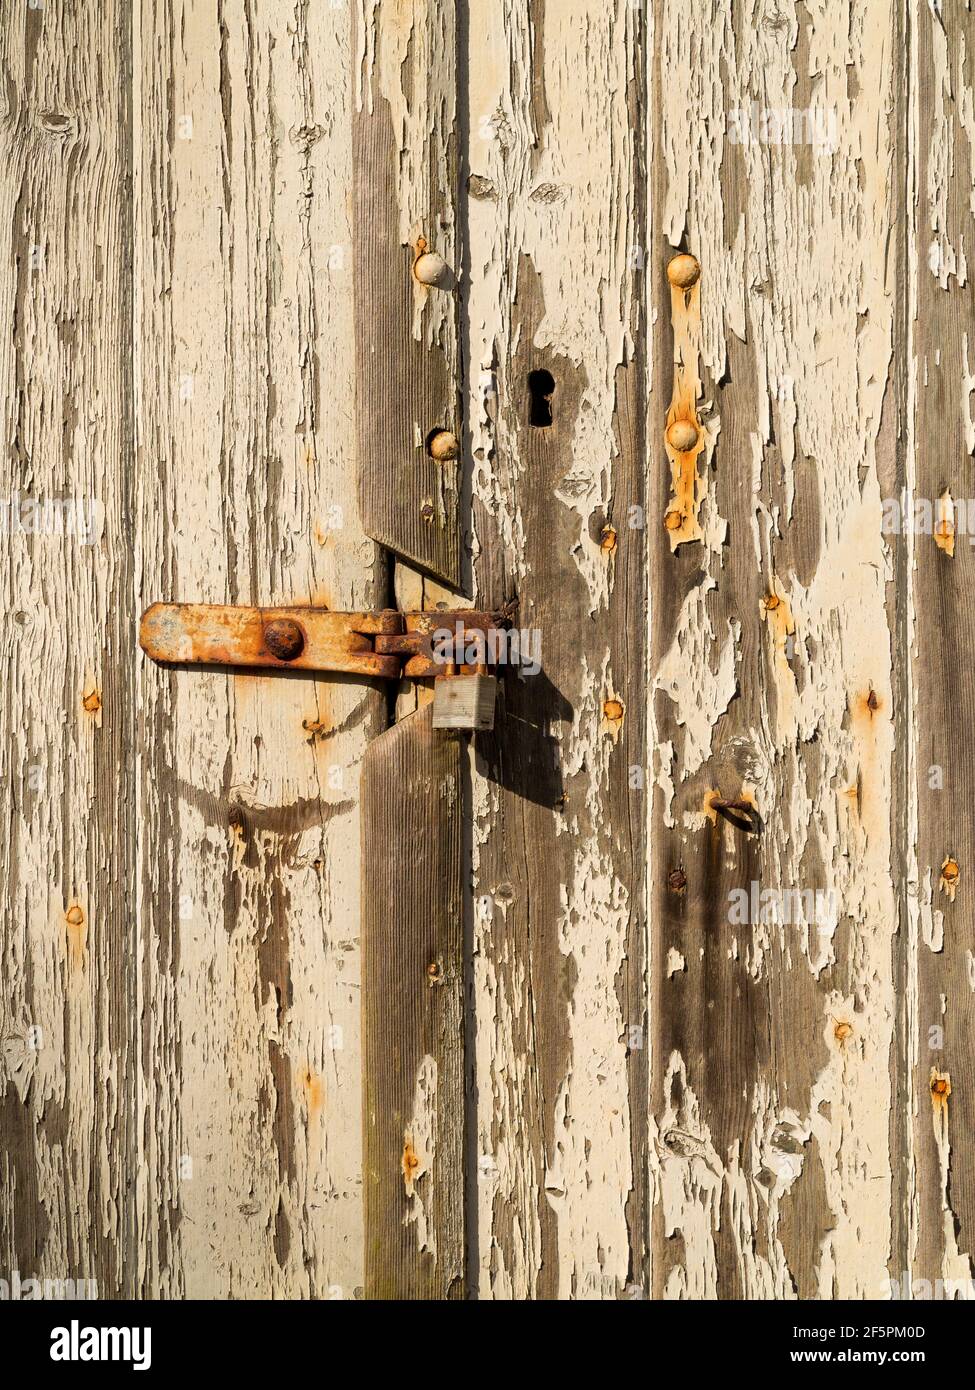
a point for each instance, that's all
(939, 1085)
(407, 350)
(555, 206)
(250, 1179)
(661, 1100)
(412, 811)
(778, 1147)
(67, 978)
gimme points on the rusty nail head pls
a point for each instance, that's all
(677, 880)
(683, 271)
(284, 639)
(682, 436)
(443, 445)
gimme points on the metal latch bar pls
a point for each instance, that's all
(304, 639)
(385, 644)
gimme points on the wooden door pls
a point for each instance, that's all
(700, 947)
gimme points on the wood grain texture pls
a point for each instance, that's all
(628, 1073)
(941, 984)
(554, 208)
(776, 1159)
(250, 1109)
(405, 144)
(412, 811)
(67, 1021)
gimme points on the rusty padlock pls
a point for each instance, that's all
(464, 700)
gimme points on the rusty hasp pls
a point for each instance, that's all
(385, 644)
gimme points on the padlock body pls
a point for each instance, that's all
(464, 702)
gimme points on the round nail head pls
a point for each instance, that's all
(672, 521)
(430, 269)
(284, 639)
(682, 436)
(444, 446)
(683, 271)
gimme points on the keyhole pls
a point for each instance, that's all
(541, 385)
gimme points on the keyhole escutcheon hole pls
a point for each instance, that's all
(541, 387)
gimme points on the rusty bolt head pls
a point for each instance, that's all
(612, 709)
(677, 880)
(683, 271)
(682, 435)
(672, 521)
(284, 639)
(443, 446)
(430, 269)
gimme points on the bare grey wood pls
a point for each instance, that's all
(412, 807)
(408, 418)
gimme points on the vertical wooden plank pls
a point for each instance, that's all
(774, 1016)
(66, 658)
(413, 1020)
(406, 240)
(249, 854)
(940, 531)
(555, 191)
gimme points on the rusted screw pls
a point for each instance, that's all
(682, 435)
(772, 602)
(950, 871)
(677, 880)
(842, 1031)
(672, 521)
(443, 446)
(940, 1087)
(612, 709)
(284, 639)
(683, 271)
